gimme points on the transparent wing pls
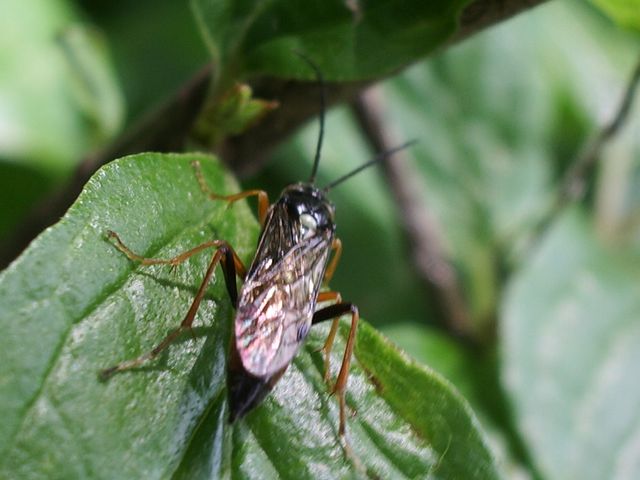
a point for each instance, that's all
(278, 297)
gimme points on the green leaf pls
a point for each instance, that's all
(44, 59)
(475, 375)
(72, 304)
(624, 12)
(58, 99)
(154, 56)
(92, 82)
(432, 347)
(236, 111)
(570, 339)
(349, 40)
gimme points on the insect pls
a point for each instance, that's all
(277, 303)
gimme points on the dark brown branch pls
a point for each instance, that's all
(167, 128)
(573, 185)
(421, 229)
(481, 14)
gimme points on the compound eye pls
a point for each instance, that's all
(308, 224)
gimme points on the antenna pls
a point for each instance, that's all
(320, 80)
(378, 158)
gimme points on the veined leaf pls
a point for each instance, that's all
(72, 304)
(349, 40)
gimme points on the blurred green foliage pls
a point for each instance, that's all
(624, 12)
(156, 47)
(498, 118)
(58, 100)
(579, 416)
(248, 38)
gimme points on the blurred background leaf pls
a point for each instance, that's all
(247, 38)
(570, 353)
(58, 100)
(624, 12)
(156, 47)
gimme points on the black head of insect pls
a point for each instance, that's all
(307, 202)
(310, 206)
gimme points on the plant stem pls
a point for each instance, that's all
(573, 185)
(420, 227)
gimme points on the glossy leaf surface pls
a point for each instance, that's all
(73, 304)
(350, 40)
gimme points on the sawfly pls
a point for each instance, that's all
(276, 305)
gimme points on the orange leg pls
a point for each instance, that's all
(329, 296)
(231, 266)
(178, 259)
(328, 344)
(340, 387)
(336, 246)
(263, 198)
